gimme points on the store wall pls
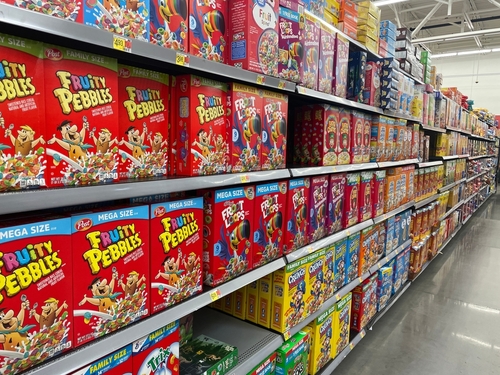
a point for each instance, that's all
(476, 76)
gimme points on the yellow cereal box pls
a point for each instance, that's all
(227, 304)
(240, 303)
(341, 323)
(321, 348)
(315, 285)
(252, 302)
(265, 291)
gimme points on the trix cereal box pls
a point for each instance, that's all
(207, 29)
(111, 269)
(175, 251)
(292, 355)
(227, 229)
(143, 115)
(326, 54)
(274, 130)
(297, 215)
(169, 24)
(22, 109)
(341, 322)
(119, 362)
(335, 203)
(315, 277)
(309, 73)
(253, 35)
(268, 225)
(318, 205)
(157, 352)
(35, 293)
(291, 41)
(365, 196)
(81, 90)
(200, 126)
(351, 200)
(321, 347)
(246, 128)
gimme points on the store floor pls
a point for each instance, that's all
(448, 321)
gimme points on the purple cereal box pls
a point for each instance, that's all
(325, 64)
(309, 72)
(317, 210)
(291, 41)
(335, 196)
(340, 65)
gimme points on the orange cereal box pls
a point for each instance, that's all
(143, 113)
(22, 108)
(110, 270)
(200, 125)
(274, 130)
(81, 90)
(35, 292)
(175, 251)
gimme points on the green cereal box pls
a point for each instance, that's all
(321, 348)
(291, 357)
(266, 367)
(315, 285)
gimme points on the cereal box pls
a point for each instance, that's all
(274, 131)
(356, 72)
(306, 136)
(330, 131)
(344, 138)
(389, 140)
(253, 35)
(208, 22)
(379, 251)
(340, 264)
(291, 357)
(366, 194)
(210, 355)
(390, 193)
(175, 251)
(265, 285)
(321, 348)
(367, 128)
(240, 303)
(186, 328)
(246, 128)
(227, 304)
(297, 214)
(36, 292)
(116, 363)
(291, 41)
(129, 18)
(378, 190)
(390, 235)
(110, 270)
(335, 203)
(384, 285)
(22, 109)
(378, 138)
(81, 90)
(397, 274)
(227, 229)
(309, 73)
(368, 246)
(351, 201)
(252, 301)
(169, 24)
(328, 273)
(341, 323)
(290, 294)
(266, 367)
(406, 267)
(200, 126)
(352, 257)
(340, 67)
(268, 235)
(356, 131)
(143, 115)
(315, 285)
(320, 113)
(296, 156)
(362, 308)
(157, 352)
(326, 55)
(318, 205)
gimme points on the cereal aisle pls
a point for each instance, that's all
(246, 187)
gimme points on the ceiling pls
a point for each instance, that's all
(444, 17)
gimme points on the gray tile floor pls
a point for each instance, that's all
(448, 321)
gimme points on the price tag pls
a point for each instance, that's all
(301, 90)
(348, 232)
(182, 59)
(363, 334)
(215, 295)
(122, 44)
(310, 249)
(360, 279)
(379, 265)
(286, 335)
(281, 85)
(261, 79)
(351, 345)
(338, 296)
(334, 169)
(245, 178)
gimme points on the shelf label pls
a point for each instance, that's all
(351, 345)
(215, 295)
(261, 79)
(310, 249)
(286, 335)
(360, 279)
(182, 59)
(338, 296)
(379, 265)
(334, 169)
(281, 84)
(348, 232)
(301, 90)
(362, 334)
(245, 178)
(122, 44)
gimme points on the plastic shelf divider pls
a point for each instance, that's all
(451, 210)
(481, 156)
(433, 129)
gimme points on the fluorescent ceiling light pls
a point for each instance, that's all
(465, 53)
(444, 55)
(387, 2)
(495, 50)
(469, 34)
(474, 52)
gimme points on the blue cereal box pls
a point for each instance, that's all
(352, 257)
(397, 275)
(340, 264)
(116, 363)
(384, 285)
(389, 235)
(328, 272)
(406, 265)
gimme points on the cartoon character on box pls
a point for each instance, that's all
(339, 83)
(169, 24)
(331, 136)
(270, 202)
(309, 74)
(335, 202)
(318, 204)
(176, 251)
(36, 319)
(342, 319)
(343, 146)
(328, 271)
(321, 332)
(367, 125)
(352, 257)
(274, 130)
(291, 41)
(297, 215)
(365, 209)
(350, 206)
(340, 264)
(326, 54)
(356, 129)
(315, 276)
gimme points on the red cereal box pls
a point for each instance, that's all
(116, 363)
(253, 35)
(344, 143)
(208, 22)
(81, 90)
(70, 10)
(351, 201)
(22, 109)
(357, 129)
(318, 201)
(227, 229)
(274, 131)
(143, 114)
(331, 136)
(200, 126)
(246, 128)
(367, 128)
(309, 73)
(340, 67)
(335, 203)
(169, 24)
(378, 193)
(268, 235)
(326, 54)
(291, 40)
(158, 352)
(324, 126)
(110, 270)
(297, 136)
(297, 214)
(365, 196)
(307, 135)
(35, 292)
(175, 251)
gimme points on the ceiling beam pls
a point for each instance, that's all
(458, 15)
(456, 36)
(426, 19)
(494, 3)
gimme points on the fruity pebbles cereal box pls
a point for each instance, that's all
(35, 293)
(268, 236)
(253, 35)
(274, 130)
(169, 24)
(200, 126)
(68, 10)
(297, 214)
(246, 128)
(227, 229)
(111, 269)
(22, 108)
(175, 251)
(143, 115)
(208, 23)
(116, 363)
(335, 203)
(81, 90)
(291, 40)
(309, 73)
(318, 205)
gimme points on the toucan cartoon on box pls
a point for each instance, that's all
(204, 27)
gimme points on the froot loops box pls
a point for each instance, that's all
(35, 292)
(169, 23)
(110, 270)
(318, 205)
(297, 214)
(200, 126)
(291, 40)
(351, 200)
(116, 363)
(227, 233)
(309, 73)
(208, 26)
(335, 203)
(68, 10)
(81, 91)
(253, 35)
(22, 109)
(325, 62)
(175, 251)
(143, 114)
(274, 130)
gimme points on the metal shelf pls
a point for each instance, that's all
(467, 219)
(392, 213)
(86, 354)
(324, 242)
(389, 257)
(451, 210)
(328, 369)
(472, 196)
(481, 138)
(315, 171)
(387, 164)
(451, 157)
(476, 176)
(481, 156)
(426, 201)
(452, 185)
(430, 164)
(410, 76)
(391, 303)
(433, 129)
(401, 115)
(32, 200)
(466, 132)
